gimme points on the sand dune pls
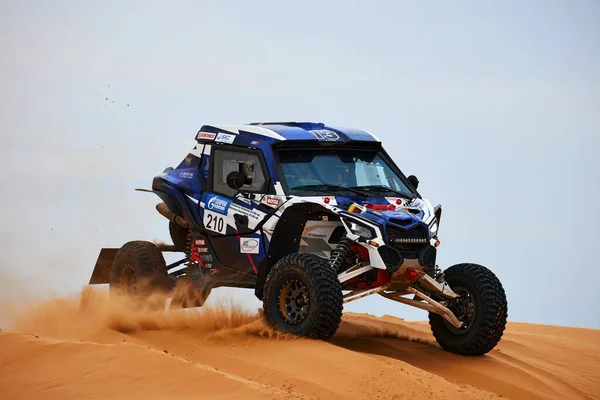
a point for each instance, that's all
(93, 347)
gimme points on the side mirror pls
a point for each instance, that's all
(235, 180)
(413, 181)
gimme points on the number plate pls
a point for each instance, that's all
(214, 222)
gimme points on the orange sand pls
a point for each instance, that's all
(93, 347)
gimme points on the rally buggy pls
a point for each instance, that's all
(310, 217)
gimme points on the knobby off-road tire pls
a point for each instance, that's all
(488, 315)
(139, 270)
(303, 297)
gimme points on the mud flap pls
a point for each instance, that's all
(101, 272)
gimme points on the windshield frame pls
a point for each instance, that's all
(387, 160)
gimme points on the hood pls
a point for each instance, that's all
(399, 211)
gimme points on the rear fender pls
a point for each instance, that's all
(101, 272)
(178, 203)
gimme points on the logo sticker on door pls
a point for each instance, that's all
(218, 204)
(249, 245)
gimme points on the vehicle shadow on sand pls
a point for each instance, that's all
(489, 372)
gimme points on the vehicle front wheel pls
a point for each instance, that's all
(303, 297)
(482, 308)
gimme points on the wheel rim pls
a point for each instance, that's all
(464, 308)
(294, 302)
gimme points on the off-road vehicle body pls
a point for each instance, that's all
(310, 217)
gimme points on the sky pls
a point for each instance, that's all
(494, 106)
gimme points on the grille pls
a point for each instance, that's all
(410, 240)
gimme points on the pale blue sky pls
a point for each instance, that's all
(495, 106)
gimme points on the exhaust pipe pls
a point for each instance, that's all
(168, 214)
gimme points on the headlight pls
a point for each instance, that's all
(359, 229)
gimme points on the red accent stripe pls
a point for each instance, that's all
(248, 254)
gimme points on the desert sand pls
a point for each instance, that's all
(95, 347)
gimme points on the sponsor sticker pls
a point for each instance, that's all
(205, 135)
(202, 250)
(245, 200)
(255, 142)
(200, 242)
(186, 175)
(206, 258)
(273, 201)
(225, 138)
(218, 204)
(325, 135)
(249, 245)
(317, 235)
(214, 271)
(253, 214)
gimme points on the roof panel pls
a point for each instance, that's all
(280, 131)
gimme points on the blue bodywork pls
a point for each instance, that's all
(186, 191)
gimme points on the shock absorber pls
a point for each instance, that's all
(188, 244)
(338, 255)
(188, 248)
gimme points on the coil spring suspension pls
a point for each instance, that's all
(188, 248)
(338, 255)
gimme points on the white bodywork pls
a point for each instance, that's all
(321, 231)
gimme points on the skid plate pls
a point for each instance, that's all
(101, 272)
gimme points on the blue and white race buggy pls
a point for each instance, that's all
(311, 217)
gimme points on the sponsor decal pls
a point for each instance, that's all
(200, 242)
(225, 138)
(325, 135)
(202, 250)
(186, 175)
(244, 200)
(188, 161)
(214, 271)
(206, 258)
(249, 245)
(205, 135)
(255, 142)
(273, 201)
(218, 204)
(394, 200)
(251, 214)
(317, 235)
(401, 216)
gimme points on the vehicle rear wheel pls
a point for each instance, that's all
(482, 308)
(303, 296)
(139, 271)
